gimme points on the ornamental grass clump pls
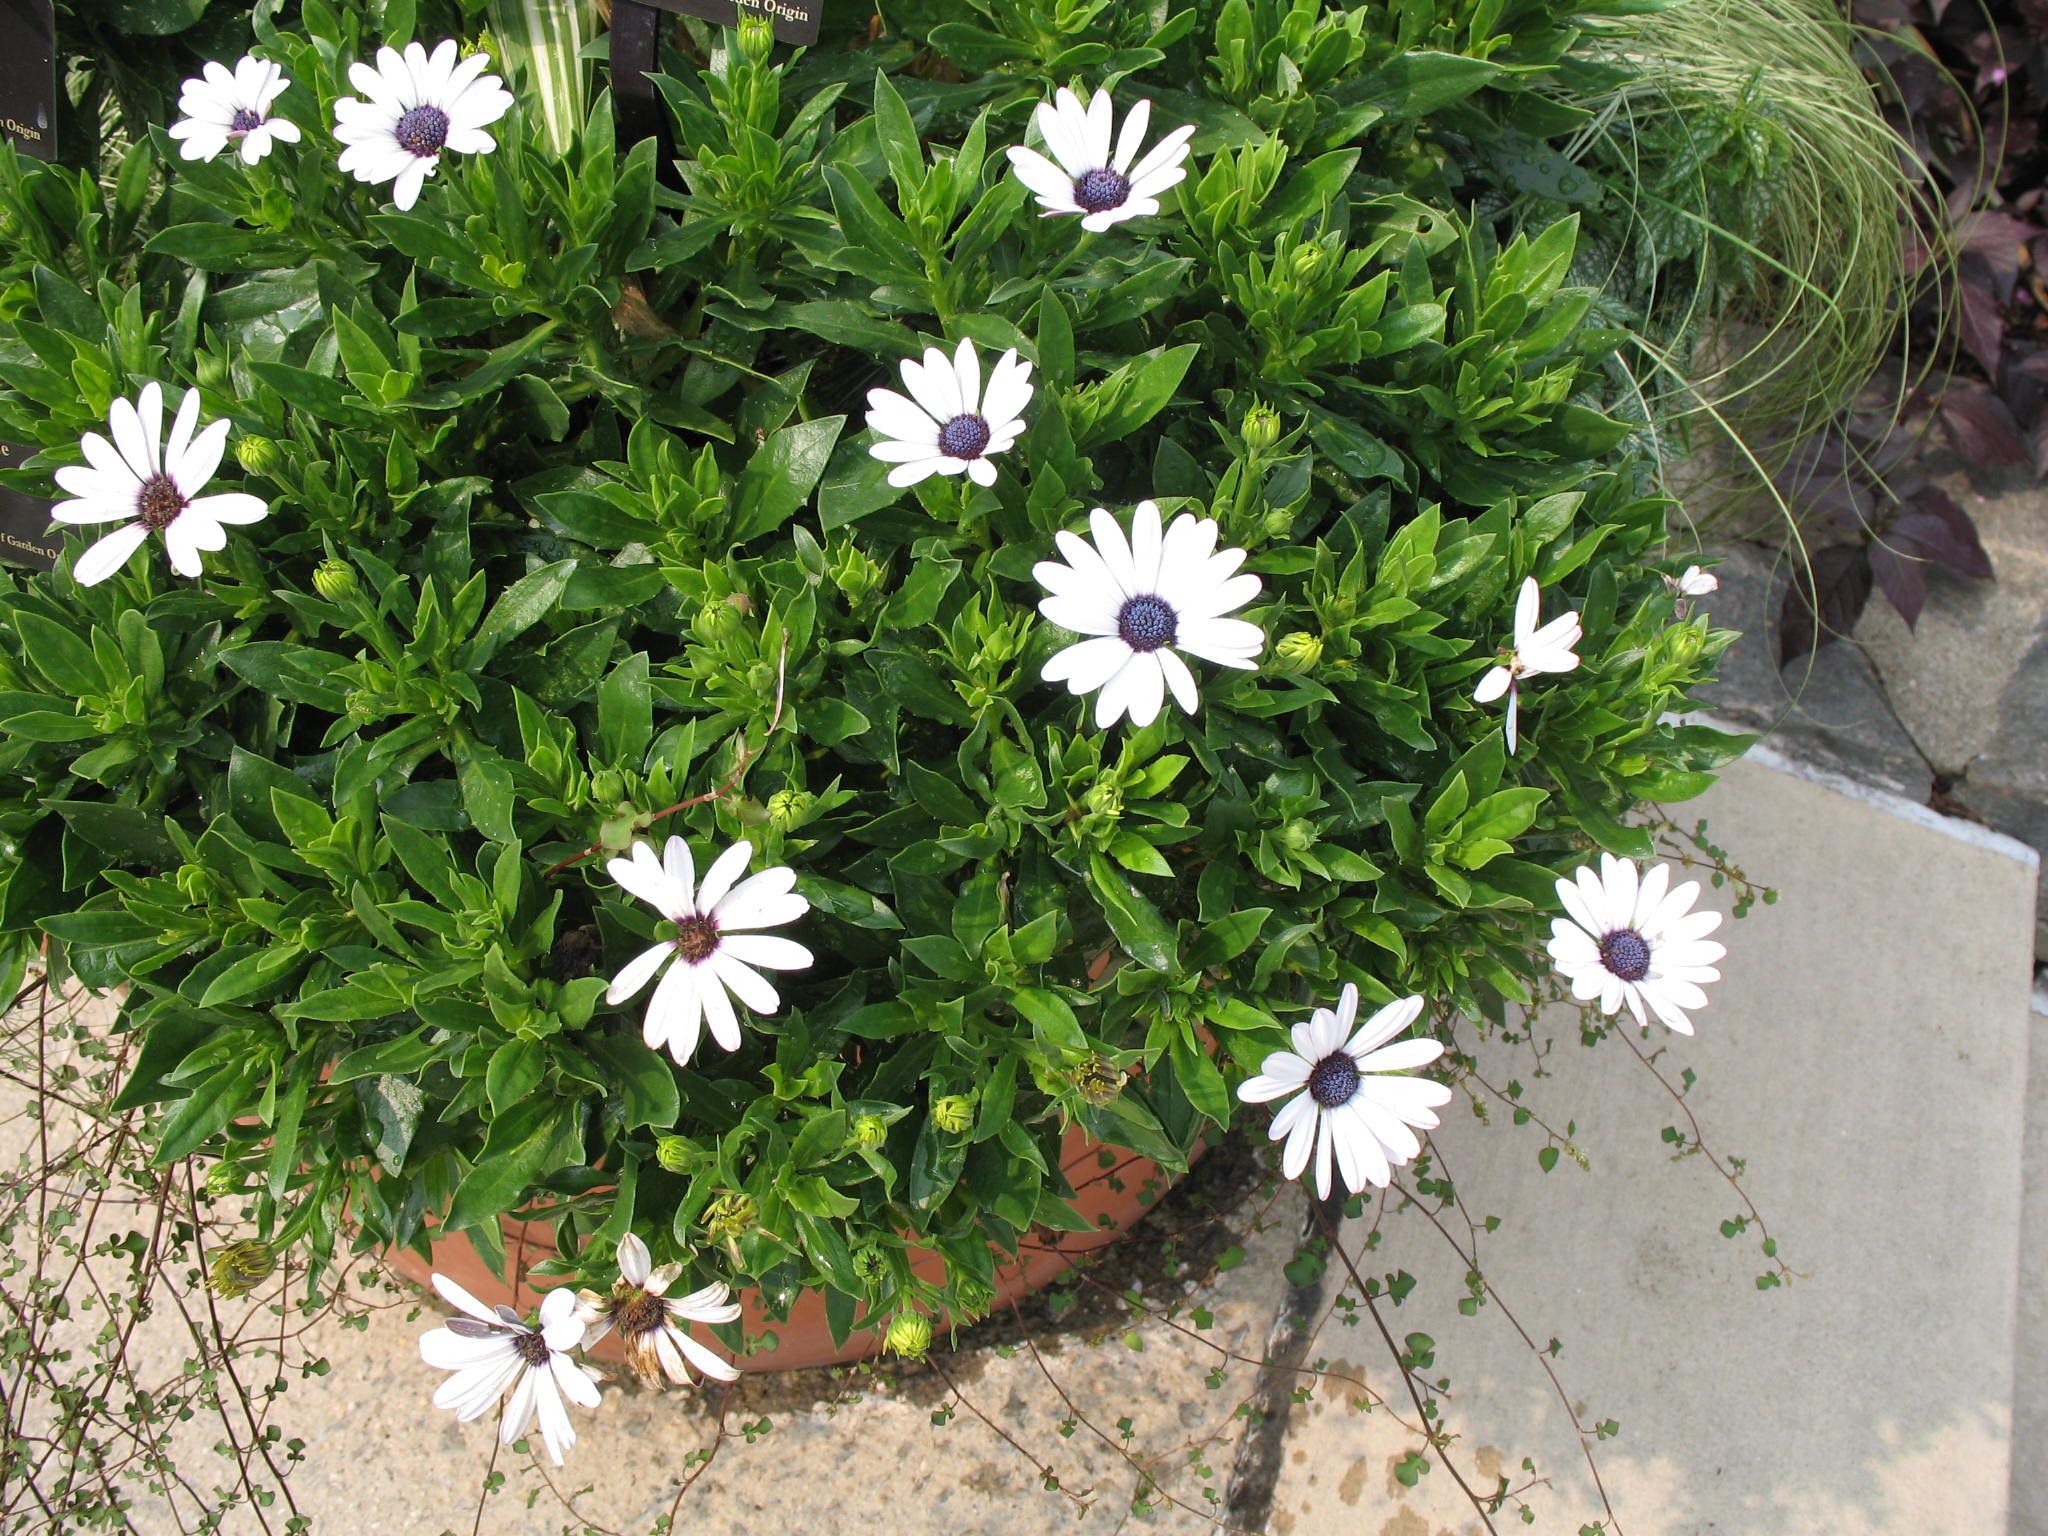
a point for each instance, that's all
(600, 540)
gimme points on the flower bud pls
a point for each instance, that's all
(1097, 1081)
(788, 809)
(223, 1178)
(871, 1264)
(1261, 428)
(855, 575)
(675, 1153)
(211, 370)
(954, 1113)
(258, 455)
(1298, 836)
(732, 1215)
(1297, 653)
(870, 1131)
(1277, 524)
(1104, 799)
(717, 621)
(335, 580)
(910, 1335)
(240, 1267)
(1308, 261)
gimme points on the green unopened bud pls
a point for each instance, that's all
(1277, 524)
(1097, 1081)
(910, 1335)
(240, 1267)
(855, 575)
(222, 1178)
(870, 1131)
(871, 1264)
(1261, 428)
(675, 1153)
(1104, 800)
(1297, 653)
(732, 1215)
(1298, 836)
(211, 369)
(788, 808)
(717, 621)
(335, 580)
(258, 455)
(1308, 261)
(954, 1113)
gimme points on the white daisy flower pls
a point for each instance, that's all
(950, 425)
(1083, 176)
(140, 476)
(1548, 649)
(418, 106)
(494, 1351)
(651, 1325)
(1694, 583)
(222, 109)
(1345, 1100)
(712, 954)
(1146, 600)
(1635, 942)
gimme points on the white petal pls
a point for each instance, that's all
(229, 507)
(711, 1365)
(766, 949)
(747, 984)
(1526, 608)
(1049, 182)
(108, 555)
(718, 1015)
(1083, 618)
(1169, 151)
(719, 878)
(1009, 391)
(1100, 121)
(1493, 685)
(644, 877)
(933, 385)
(1115, 550)
(635, 1262)
(1227, 642)
(675, 1015)
(1088, 665)
(1061, 129)
(453, 1293)
(1180, 680)
(967, 375)
(1136, 121)
(750, 903)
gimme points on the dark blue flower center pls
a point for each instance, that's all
(1625, 953)
(159, 502)
(697, 937)
(1146, 623)
(1100, 191)
(244, 121)
(964, 437)
(1333, 1080)
(423, 131)
(531, 1348)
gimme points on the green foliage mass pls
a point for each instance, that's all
(591, 450)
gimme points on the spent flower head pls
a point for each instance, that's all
(651, 1324)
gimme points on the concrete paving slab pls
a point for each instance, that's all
(2030, 1336)
(1866, 1055)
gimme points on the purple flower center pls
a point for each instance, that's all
(531, 1348)
(1100, 191)
(1146, 623)
(423, 131)
(1333, 1080)
(244, 121)
(159, 502)
(1626, 954)
(964, 437)
(697, 937)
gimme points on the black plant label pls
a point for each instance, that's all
(28, 77)
(26, 537)
(796, 21)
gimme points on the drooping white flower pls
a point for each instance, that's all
(1084, 176)
(1347, 1101)
(1635, 941)
(950, 425)
(222, 109)
(650, 1324)
(1694, 583)
(1144, 600)
(419, 106)
(156, 483)
(1548, 649)
(492, 1352)
(712, 952)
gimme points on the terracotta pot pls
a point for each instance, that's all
(1113, 1199)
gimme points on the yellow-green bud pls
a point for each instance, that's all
(1308, 261)
(716, 621)
(221, 1178)
(954, 1113)
(788, 808)
(240, 1267)
(1298, 836)
(335, 580)
(1297, 653)
(211, 369)
(1278, 523)
(870, 1263)
(1104, 799)
(855, 575)
(675, 1153)
(1261, 428)
(910, 1335)
(258, 455)
(1097, 1081)
(732, 1215)
(870, 1131)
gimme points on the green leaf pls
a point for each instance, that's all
(516, 1149)
(222, 1096)
(1053, 1020)
(514, 1071)
(1113, 408)
(780, 474)
(1143, 934)
(57, 653)
(644, 1078)
(124, 833)
(1199, 1077)
(522, 605)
